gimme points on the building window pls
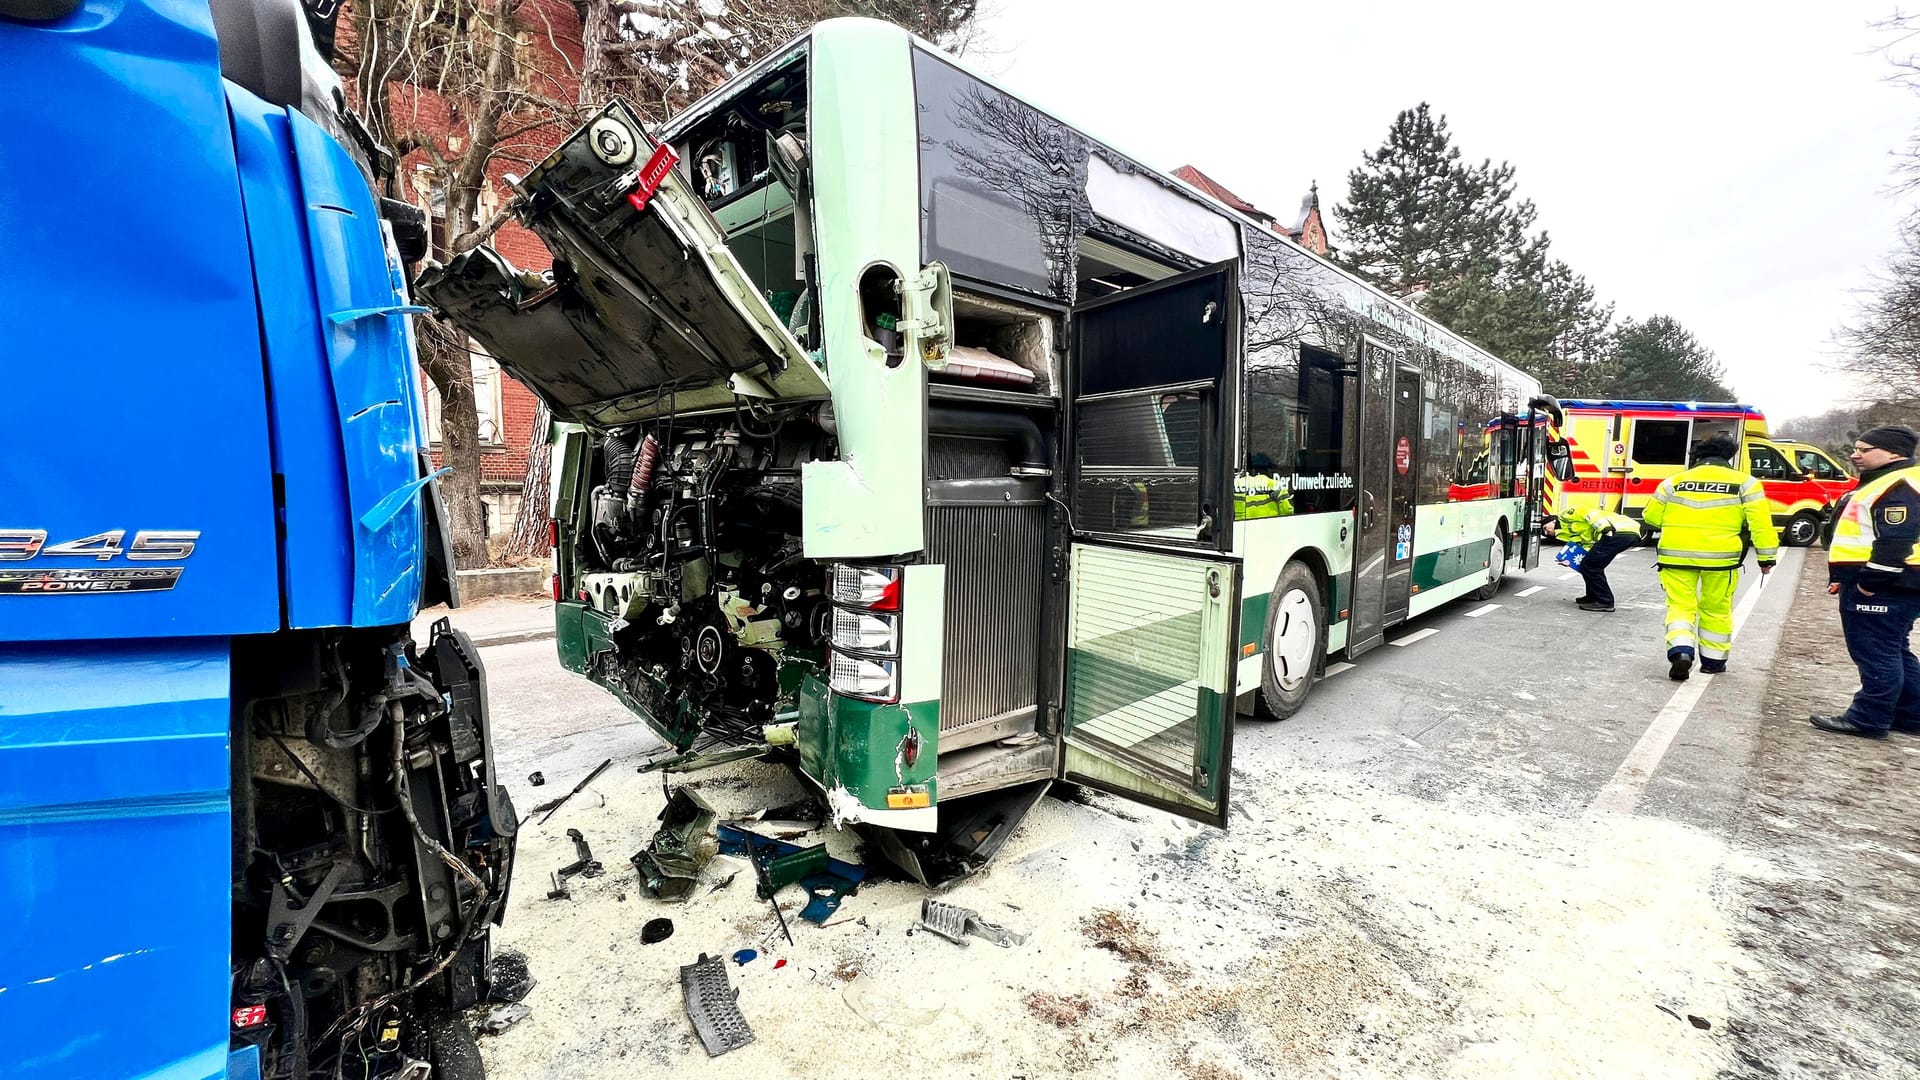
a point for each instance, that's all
(486, 400)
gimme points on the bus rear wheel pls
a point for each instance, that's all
(1803, 530)
(1296, 642)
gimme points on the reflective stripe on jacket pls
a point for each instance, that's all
(1856, 529)
(1701, 514)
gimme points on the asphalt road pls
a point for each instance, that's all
(1537, 704)
(1503, 844)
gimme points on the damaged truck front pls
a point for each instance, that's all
(249, 826)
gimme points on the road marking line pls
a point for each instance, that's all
(1524, 593)
(1569, 577)
(1417, 635)
(1335, 669)
(1622, 793)
(1479, 611)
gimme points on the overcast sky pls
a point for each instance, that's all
(1729, 165)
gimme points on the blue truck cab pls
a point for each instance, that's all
(248, 825)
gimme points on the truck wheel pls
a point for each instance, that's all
(456, 1055)
(1496, 569)
(1296, 642)
(1803, 530)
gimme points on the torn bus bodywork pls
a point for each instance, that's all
(804, 476)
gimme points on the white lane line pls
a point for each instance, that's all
(1417, 635)
(1335, 669)
(1479, 611)
(1524, 593)
(1570, 576)
(1629, 782)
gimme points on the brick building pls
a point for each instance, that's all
(548, 55)
(1307, 230)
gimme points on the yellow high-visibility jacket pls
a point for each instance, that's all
(1875, 527)
(1701, 514)
(1584, 525)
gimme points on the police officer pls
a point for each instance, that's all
(1604, 535)
(1872, 566)
(1701, 514)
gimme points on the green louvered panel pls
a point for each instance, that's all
(1148, 638)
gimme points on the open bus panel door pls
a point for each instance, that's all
(1154, 600)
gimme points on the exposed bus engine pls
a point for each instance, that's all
(691, 544)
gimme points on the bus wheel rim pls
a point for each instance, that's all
(1294, 637)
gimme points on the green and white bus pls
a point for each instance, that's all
(897, 408)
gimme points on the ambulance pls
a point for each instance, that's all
(1622, 450)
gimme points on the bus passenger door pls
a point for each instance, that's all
(1402, 492)
(1375, 530)
(1153, 605)
(1530, 471)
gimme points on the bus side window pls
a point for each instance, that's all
(1323, 442)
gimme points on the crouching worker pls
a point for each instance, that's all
(1706, 516)
(1604, 535)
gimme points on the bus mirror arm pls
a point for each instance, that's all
(1550, 405)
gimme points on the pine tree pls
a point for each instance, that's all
(1422, 223)
(1417, 216)
(1661, 360)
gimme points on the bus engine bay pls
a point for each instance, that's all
(691, 548)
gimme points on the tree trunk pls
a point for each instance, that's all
(530, 524)
(443, 356)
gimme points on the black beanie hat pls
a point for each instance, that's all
(1892, 438)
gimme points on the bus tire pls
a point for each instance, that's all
(1296, 642)
(1802, 531)
(1496, 567)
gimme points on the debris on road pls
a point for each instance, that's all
(778, 864)
(671, 863)
(536, 778)
(713, 1006)
(656, 931)
(508, 978)
(550, 808)
(956, 923)
(504, 1017)
(583, 865)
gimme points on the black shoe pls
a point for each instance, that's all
(1713, 667)
(1679, 664)
(1583, 599)
(1591, 605)
(1843, 726)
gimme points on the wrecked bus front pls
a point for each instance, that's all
(644, 313)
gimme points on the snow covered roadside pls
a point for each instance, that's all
(1335, 929)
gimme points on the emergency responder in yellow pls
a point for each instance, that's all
(1706, 517)
(1604, 534)
(1873, 566)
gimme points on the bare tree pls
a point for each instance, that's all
(447, 85)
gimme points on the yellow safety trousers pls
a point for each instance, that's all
(1699, 609)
